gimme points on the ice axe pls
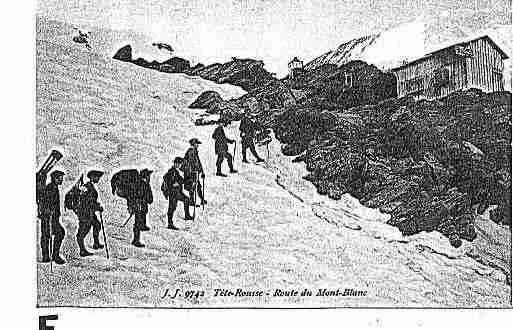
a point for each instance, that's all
(195, 187)
(104, 236)
(203, 188)
(125, 223)
(234, 149)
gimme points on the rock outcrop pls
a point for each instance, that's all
(245, 73)
(206, 100)
(124, 54)
(175, 65)
(413, 160)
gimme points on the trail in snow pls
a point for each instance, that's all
(253, 234)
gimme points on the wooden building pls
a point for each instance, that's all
(475, 63)
(295, 67)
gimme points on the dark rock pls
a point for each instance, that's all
(175, 65)
(246, 73)
(124, 54)
(206, 100)
(141, 62)
(408, 158)
(293, 149)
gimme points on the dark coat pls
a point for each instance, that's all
(170, 178)
(89, 202)
(51, 201)
(192, 163)
(143, 197)
(247, 128)
(221, 144)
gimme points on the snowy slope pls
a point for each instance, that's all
(386, 49)
(255, 233)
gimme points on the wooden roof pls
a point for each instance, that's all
(461, 42)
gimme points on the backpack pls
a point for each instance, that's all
(127, 184)
(124, 183)
(164, 188)
(73, 198)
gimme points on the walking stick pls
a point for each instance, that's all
(234, 149)
(203, 193)
(50, 249)
(195, 188)
(130, 217)
(268, 155)
(104, 236)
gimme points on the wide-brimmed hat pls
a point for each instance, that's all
(55, 174)
(194, 141)
(178, 160)
(146, 172)
(95, 173)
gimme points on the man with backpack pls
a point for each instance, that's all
(247, 133)
(193, 170)
(86, 214)
(50, 215)
(221, 148)
(172, 188)
(143, 197)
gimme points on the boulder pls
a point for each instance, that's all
(206, 100)
(124, 54)
(175, 65)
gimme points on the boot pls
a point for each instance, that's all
(244, 160)
(98, 246)
(96, 239)
(136, 241)
(221, 174)
(259, 160)
(233, 171)
(56, 249)
(83, 252)
(45, 252)
(58, 260)
(188, 215)
(138, 244)
(170, 224)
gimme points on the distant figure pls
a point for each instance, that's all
(221, 148)
(161, 45)
(172, 188)
(50, 225)
(82, 38)
(143, 197)
(193, 170)
(247, 133)
(86, 214)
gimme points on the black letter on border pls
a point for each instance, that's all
(43, 319)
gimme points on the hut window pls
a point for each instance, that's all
(348, 79)
(441, 77)
(414, 85)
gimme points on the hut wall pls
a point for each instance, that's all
(485, 67)
(420, 78)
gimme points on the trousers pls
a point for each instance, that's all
(220, 158)
(247, 143)
(58, 232)
(173, 202)
(84, 226)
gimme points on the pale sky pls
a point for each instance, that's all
(271, 30)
